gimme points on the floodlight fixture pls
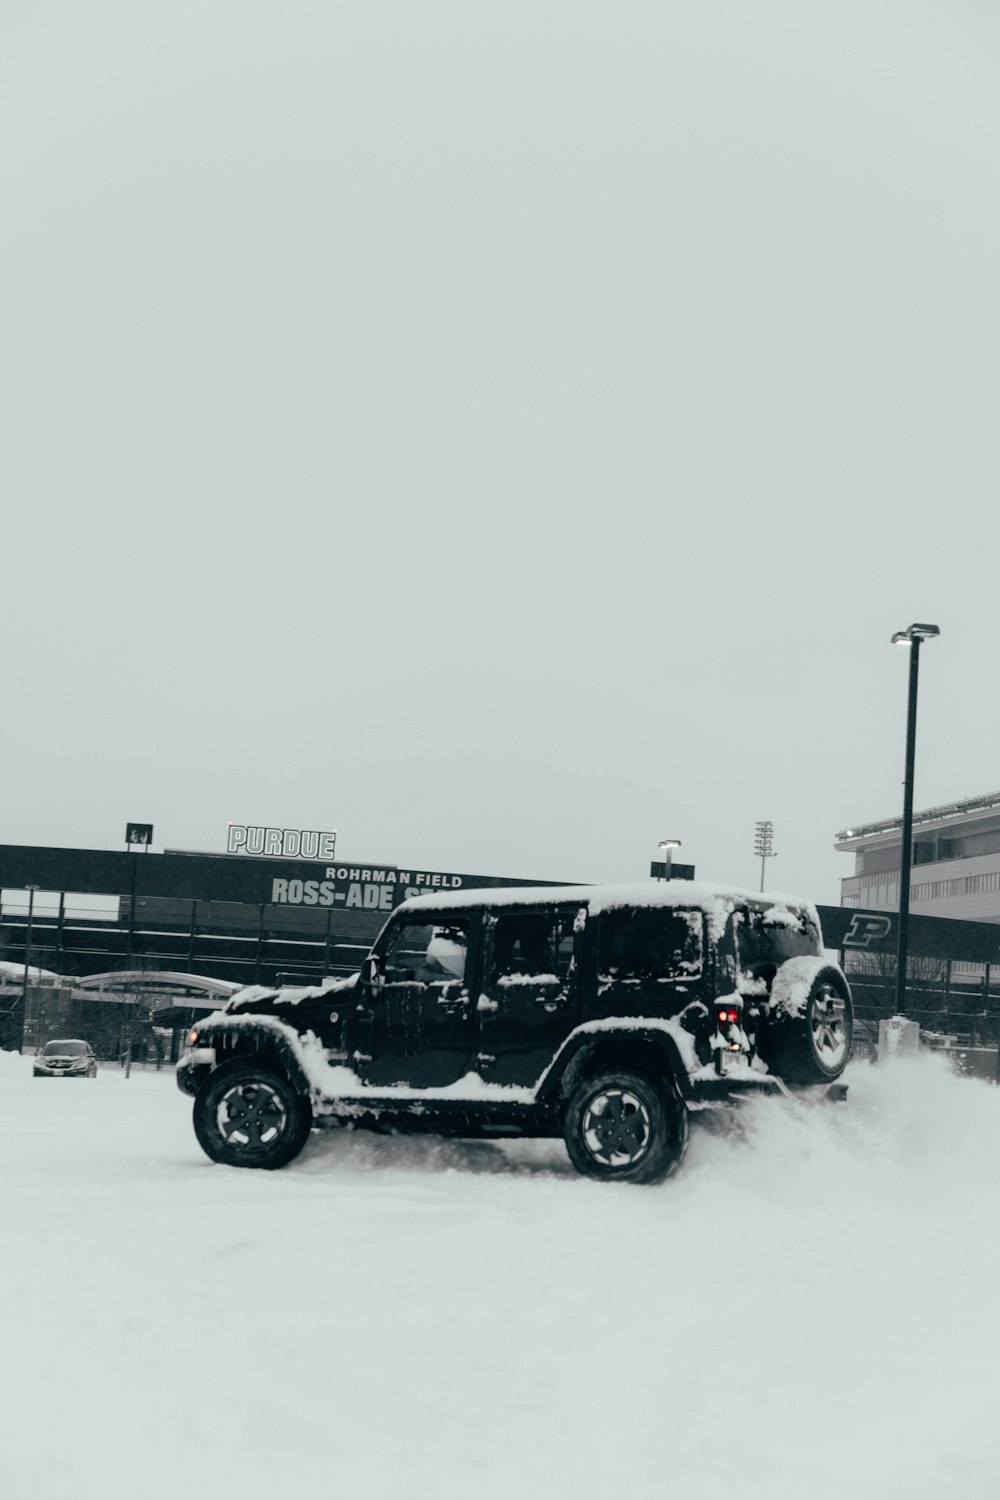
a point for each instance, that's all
(915, 633)
(763, 845)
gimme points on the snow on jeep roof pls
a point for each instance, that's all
(717, 901)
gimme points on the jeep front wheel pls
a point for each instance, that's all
(245, 1115)
(623, 1127)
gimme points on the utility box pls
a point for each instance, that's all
(898, 1037)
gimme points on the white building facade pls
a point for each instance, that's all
(956, 862)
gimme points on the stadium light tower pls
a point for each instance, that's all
(912, 637)
(764, 846)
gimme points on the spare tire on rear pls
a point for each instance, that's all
(810, 1022)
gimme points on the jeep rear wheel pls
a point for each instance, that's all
(245, 1115)
(623, 1127)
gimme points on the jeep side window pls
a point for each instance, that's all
(650, 943)
(427, 953)
(539, 947)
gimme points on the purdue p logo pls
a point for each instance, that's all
(866, 929)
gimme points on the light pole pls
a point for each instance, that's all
(912, 638)
(668, 846)
(764, 845)
(31, 889)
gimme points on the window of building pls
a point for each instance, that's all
(972, 844)
(880, 861)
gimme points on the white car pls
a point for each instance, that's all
(70, 1058)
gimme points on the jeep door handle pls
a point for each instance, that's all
(551, 997)
(453, 1002)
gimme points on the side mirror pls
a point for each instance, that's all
(373, 973)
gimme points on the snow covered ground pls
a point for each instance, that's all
(808, 1309)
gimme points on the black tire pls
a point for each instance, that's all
(247, 1115)
(815, 1046)
(624, 1127)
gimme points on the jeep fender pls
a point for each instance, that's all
(646, 1048)
(255, 1041)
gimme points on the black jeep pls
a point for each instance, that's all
(599, 1013)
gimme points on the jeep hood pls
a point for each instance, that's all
(257, 999)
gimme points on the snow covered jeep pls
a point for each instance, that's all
(599, 1013)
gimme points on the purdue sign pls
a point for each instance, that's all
(284, 843)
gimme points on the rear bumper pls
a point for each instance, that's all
(730, 1090)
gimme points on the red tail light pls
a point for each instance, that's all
(728, 1017)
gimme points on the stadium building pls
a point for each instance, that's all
(956, 862)
(128, 948)
(101, 943)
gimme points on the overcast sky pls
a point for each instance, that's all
(507, 433)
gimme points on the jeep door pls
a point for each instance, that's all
(420, 1024)
(529, 999)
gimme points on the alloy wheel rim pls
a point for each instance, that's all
(829, 1025)
(251, 1116)
(616, 1127)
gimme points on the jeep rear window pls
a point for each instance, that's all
(770, 937)
(650, 943)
